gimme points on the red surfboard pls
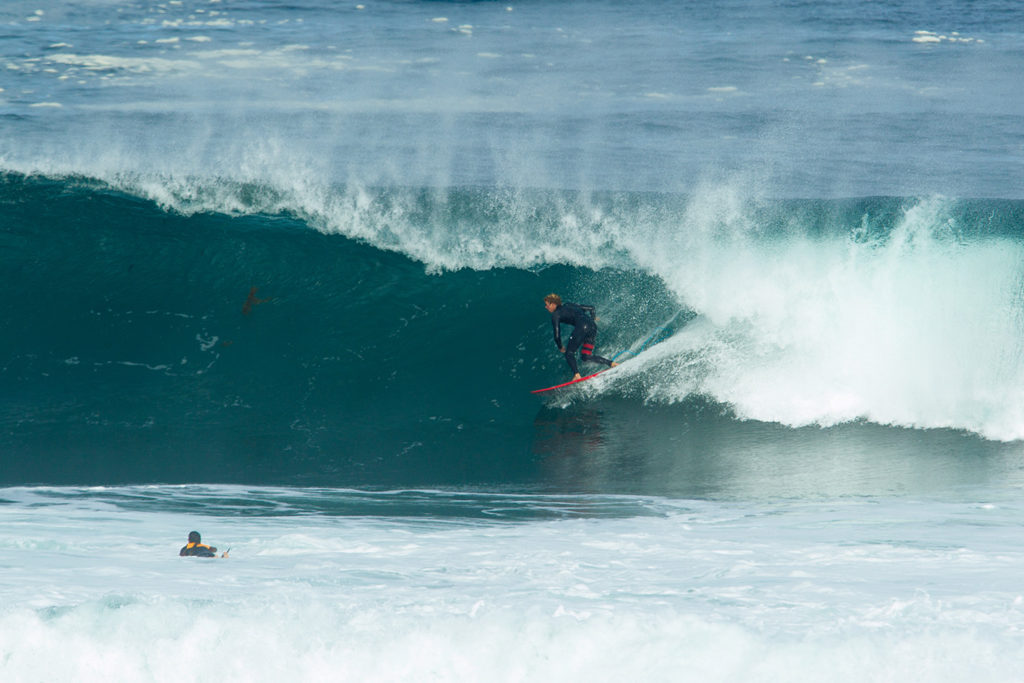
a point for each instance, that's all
(569, 383)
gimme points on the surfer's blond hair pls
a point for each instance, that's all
(553, 299)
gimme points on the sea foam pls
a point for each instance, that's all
(688, 589)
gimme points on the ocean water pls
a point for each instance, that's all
(273, 271)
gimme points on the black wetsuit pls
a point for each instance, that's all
(584, 333)
(198, 550)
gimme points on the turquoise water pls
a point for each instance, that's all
(138, 360)
(274, 271)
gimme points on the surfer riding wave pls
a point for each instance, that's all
(584, 333)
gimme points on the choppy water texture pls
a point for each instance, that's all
(274, 271)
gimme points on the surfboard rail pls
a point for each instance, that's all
(569, 383)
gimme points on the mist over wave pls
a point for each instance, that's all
(908, 313)
(273, 272)
(388, 322)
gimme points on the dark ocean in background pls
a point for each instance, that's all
(274, 271)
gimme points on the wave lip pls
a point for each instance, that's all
(903, 312)
(896, 311)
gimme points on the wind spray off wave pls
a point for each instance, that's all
(273, 272)
(897, 311)
(902, 312)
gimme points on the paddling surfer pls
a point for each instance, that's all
(196, 547)
(583, 335)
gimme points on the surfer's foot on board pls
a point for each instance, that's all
(576, 377)
(614, 364)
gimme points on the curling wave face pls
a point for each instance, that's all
(393, 333)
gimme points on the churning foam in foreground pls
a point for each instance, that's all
(307, 640)
(94, 589)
